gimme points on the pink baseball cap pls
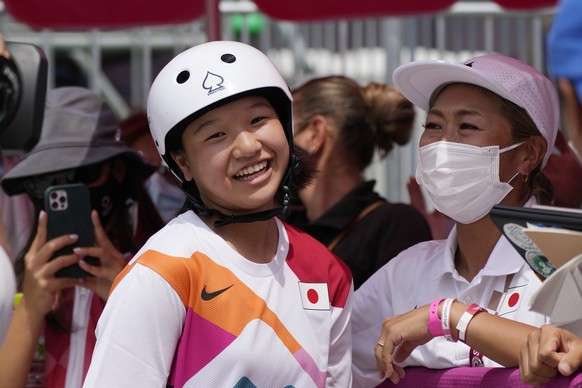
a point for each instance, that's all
(508, 77)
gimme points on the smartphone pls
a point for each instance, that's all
(68, 209)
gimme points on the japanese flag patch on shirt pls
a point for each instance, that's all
(314, 296)
(511, 300)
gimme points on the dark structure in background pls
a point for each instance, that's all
(23, 83)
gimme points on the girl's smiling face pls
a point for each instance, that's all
(237, 154)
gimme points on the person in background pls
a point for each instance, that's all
(552, 350)
(227, 294)
(161, 185)
(340, 124)
(567, 186)
(80, 143)
(490, 128)
(39, 295)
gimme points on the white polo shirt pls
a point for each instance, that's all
(423, 273)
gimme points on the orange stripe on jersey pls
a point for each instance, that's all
(120, 276)
(209, 289)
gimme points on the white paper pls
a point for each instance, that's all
(560, 296)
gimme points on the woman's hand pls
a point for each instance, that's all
(40, 286)
(112, 261)
(548, 351)
(401, 334)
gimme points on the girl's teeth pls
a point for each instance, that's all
(251, 170)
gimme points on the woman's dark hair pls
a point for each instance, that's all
(392, 114)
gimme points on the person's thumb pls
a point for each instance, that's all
(569, 363)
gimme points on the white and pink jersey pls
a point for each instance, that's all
(189, 311)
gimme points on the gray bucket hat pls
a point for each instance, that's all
(79, 129)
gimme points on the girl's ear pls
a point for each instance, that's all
(535, 149)
(182, 161)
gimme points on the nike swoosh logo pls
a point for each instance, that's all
(205, 295)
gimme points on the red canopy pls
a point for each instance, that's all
(303, 10)
(83, 14)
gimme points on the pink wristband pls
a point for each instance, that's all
(434, 324)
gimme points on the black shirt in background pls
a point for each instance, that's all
(375, 239)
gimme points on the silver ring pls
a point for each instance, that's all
(380, 344)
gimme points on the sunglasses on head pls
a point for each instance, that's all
(36, 186)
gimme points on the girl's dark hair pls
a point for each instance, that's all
(376, 115)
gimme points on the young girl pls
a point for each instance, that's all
(226, 294)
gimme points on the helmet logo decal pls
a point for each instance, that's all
(213, 83)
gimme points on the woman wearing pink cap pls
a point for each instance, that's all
(490, 127)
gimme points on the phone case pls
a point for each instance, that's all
(69, 212)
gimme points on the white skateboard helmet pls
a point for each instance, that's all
(202, 78)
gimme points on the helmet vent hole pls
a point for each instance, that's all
(228, 58)
(183, 76)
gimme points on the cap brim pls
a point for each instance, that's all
(64, 158)
(417, 81)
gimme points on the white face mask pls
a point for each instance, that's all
(462, 180)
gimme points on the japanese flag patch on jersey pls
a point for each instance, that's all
(314, 296)
(511, 300)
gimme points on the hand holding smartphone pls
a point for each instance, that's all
(68, 209)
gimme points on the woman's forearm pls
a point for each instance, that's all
(500, 339)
